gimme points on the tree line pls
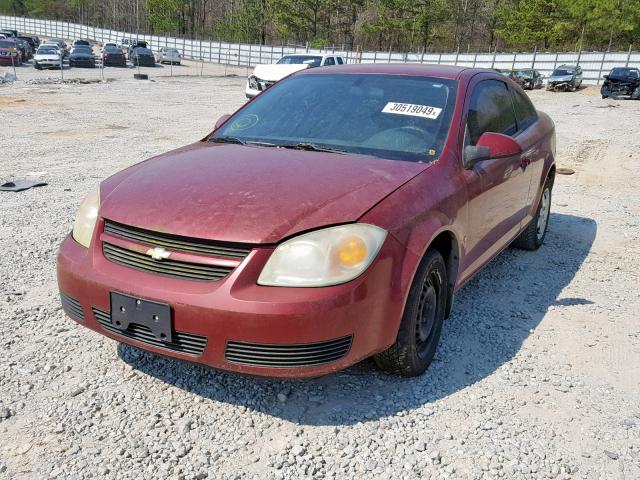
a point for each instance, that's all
(399, 25)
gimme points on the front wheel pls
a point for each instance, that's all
(532, 237)
(421, 324)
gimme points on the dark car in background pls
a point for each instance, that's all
(82, 56)
(80, 41)
(622, 82)
(143, 57)
(24, 47)
(10, 53)
(113, 57)
(31, 41)
(529, 78)
(565, 78)
(134, 45)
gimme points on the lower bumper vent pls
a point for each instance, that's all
(284, 356)
(188, 343)
(71, 306)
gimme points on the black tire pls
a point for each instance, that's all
(533, 236)
(421, 324)
(36, 66)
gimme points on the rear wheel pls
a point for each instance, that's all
(532, 237)
(421, 324)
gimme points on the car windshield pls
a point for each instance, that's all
(388, 116)
(625, 72)
(561, 72)
(313, 61)
(171, 50)
(47, 51)
(523, 73)
(6, 44)
(82, 49)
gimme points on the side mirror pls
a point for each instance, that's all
(221, 121)
(491, 145)
(606, 77)
(474, 154)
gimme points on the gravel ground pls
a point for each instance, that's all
(537, 374)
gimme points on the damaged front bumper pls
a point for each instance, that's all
(620, 90)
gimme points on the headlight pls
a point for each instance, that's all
(253, 83)
(86, 218)
(325, 257)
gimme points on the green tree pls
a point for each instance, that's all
(163, 15)
(534, 22)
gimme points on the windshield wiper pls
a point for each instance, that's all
(228, 140)
(311, 147)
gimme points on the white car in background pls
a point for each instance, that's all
(168, 55)
(264, 76)
(48, 55)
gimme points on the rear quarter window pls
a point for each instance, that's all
(526, 114)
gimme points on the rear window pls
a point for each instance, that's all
(143, 51)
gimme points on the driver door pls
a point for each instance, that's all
(497, 188)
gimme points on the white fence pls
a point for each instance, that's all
(594, 64)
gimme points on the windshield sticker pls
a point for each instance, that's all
(245, 122)
(422, 111)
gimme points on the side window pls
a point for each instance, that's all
(490, 110)
(329, 61)
(340, 62)
(526, 114)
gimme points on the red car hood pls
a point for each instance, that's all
(249, 194)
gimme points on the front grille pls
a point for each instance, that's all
(71, 306)
(168, 268)
(178, 243)
(300, 355)
(182, 342)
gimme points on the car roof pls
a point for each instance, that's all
(418, 70)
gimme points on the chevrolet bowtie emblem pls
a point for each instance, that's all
(158, 253)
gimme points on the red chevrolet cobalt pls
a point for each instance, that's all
(329, 220)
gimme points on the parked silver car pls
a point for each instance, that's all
(168, 55)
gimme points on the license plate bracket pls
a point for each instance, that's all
(156, 316)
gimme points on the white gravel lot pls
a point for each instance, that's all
(538, 374)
